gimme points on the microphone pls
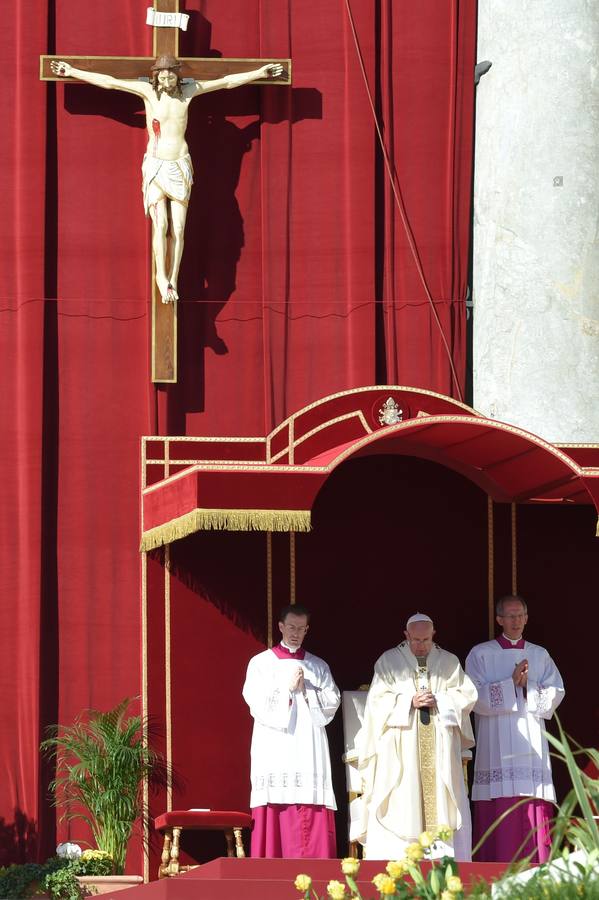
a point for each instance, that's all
(423, 685)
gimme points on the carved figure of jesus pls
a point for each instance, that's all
(167, 171)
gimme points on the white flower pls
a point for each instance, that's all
(68, 850)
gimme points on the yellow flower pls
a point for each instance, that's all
(447, 895)
(397, 868)
(303, 883)
(350, 866)
(454, 884)
(414, 852)
(378, 879)
(426, 839)
(386, 885)
(335, 890)
(444, 832)
(95, 854)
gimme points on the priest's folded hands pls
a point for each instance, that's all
(520, 673)
(297, 681)
(423, 699)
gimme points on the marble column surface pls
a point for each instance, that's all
(536, 218)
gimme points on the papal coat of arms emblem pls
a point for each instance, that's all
(390, 413)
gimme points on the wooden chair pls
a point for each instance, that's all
(171, 824)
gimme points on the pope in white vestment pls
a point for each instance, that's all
(292, 697)
(519, 688)
(416, 730)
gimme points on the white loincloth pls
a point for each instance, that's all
(174, 177)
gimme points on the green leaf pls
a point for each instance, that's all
(578, 783)
(102, 761)
(416, 874)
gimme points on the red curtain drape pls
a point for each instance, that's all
(298, 281)
(22, 177)
(302, 281)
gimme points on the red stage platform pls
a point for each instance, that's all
(272, 879)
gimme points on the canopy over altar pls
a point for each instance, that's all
(271, 483)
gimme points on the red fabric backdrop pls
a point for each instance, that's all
(297, 282)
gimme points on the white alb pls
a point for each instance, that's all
(512, 755)
(290, 753)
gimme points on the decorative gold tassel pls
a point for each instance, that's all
(226, 520)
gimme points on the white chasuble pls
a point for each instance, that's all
(290, 753)
(512, 755)
(390, 753)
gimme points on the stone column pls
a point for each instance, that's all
(536, 217)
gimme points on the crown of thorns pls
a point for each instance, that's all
(166, 62)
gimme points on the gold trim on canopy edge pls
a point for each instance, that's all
(226, 520)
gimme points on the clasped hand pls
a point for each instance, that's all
(520, 673)
(423, 699)
(297, 681)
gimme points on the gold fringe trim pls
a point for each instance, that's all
(226, 520)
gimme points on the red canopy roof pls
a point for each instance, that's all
(271, 483)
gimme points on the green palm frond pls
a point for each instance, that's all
(575, 822)
(101, 764)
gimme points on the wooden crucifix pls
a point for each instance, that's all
(167, 169)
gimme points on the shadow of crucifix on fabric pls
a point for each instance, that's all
(214, 237)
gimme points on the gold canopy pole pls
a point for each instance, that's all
(490, 567)
(514, 549)
(269, 588)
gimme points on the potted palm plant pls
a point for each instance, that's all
(102, 761)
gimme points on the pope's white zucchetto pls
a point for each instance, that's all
(419, 617)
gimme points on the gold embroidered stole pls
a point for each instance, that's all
(426, 752)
